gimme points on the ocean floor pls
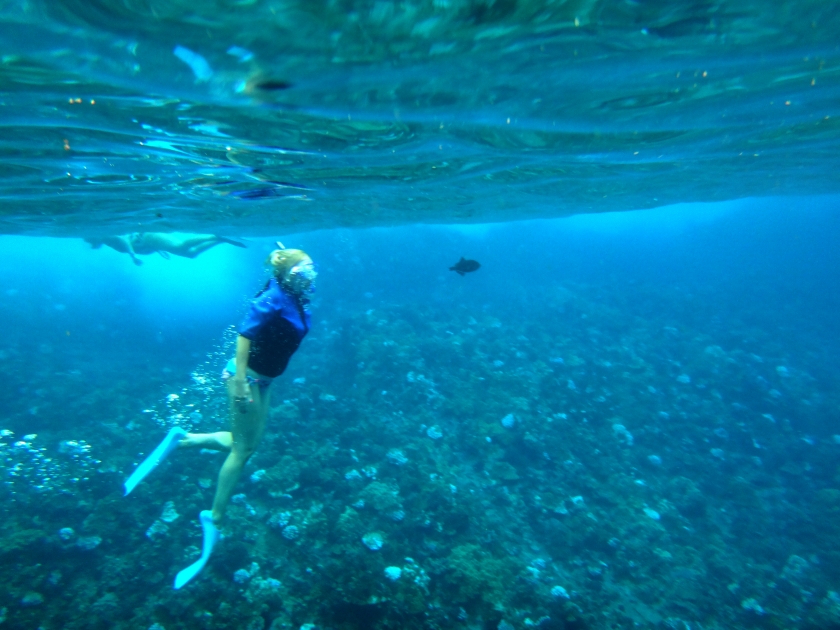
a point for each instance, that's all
(621, 460)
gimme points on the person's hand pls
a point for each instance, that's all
(241, 394)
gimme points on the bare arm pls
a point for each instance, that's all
(243, 348)
(129, 245)
(240, 380)
(123, 245)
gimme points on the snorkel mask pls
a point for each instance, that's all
(294, 269)
(301, 278)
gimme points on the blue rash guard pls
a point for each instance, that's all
(276, 323)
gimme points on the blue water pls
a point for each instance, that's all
(671, 376)
(627, 417)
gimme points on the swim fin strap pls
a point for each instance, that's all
(211, 537)
(170, 442)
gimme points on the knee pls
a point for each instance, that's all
(244, 451)
(224, 439)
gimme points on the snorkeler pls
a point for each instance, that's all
(142, 243)
(273, 329)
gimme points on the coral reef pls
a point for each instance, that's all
(618, 463)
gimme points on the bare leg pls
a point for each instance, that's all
(192, 247)
(248, 429)
(219, 441)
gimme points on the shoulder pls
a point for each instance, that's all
(271, 296)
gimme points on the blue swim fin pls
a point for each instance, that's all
(170, 442)
(211, 537)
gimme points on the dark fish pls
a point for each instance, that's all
(276, 189)
(465, 266)
(273, 85)
(257, 193)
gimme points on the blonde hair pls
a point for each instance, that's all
(288, 259)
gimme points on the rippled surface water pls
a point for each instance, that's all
(253, 115)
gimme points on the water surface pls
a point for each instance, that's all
(246, 117)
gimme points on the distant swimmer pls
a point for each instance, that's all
(465, 266)
(142, 243)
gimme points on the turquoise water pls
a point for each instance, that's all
(253, 116)
(620, 420)
(627, 417)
